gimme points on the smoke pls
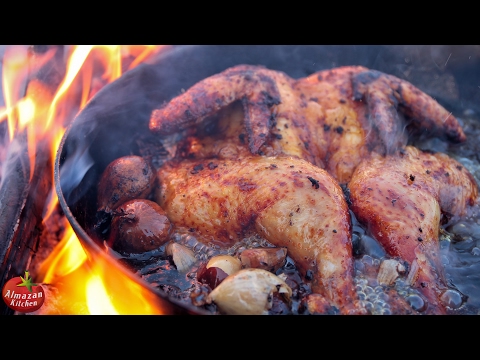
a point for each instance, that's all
(73, 171)
(15, 153)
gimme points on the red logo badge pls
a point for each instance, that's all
(21, 294)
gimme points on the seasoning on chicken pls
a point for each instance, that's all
(256, 87)
(265, 153)
(362, 110)
(286, 200)
(332, 118)
(402, 199)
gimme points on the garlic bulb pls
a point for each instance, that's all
(389, 271)
(248, 292)
(183, 257)
(227, 263)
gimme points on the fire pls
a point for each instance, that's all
(32, 109)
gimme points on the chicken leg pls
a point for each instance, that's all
(401, 199)
(288, 201)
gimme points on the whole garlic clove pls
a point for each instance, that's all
(227, 263)
(389, 271)
(248, 292)
(183, 257)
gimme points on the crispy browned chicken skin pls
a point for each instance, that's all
(332, 118)
(401, 198)
(363, 111)
(288, 201)
(256, 87)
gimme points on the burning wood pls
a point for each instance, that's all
(24, 191)
(30, 225)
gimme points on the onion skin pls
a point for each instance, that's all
(126, 178)
(270, 259)
(211, 276)
(137, 226)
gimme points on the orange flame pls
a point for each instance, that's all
(16, 68)
(84, 286)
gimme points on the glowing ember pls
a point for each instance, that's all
(81, 285)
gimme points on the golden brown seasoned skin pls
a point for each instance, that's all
(401, 198)
(226, 141)
(332, 118)
(384, 93)
(256, 87)
(339, 130)
(360, 111)
(288, 201)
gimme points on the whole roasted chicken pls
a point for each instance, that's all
(263, 152)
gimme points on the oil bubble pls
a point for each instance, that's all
(452, 299)
(416, 302)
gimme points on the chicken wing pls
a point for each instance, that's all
(402, 199)
(332, 118)
(256, 87)
(288, 201)
(364, 110)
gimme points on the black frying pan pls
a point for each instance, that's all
(104, 129)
